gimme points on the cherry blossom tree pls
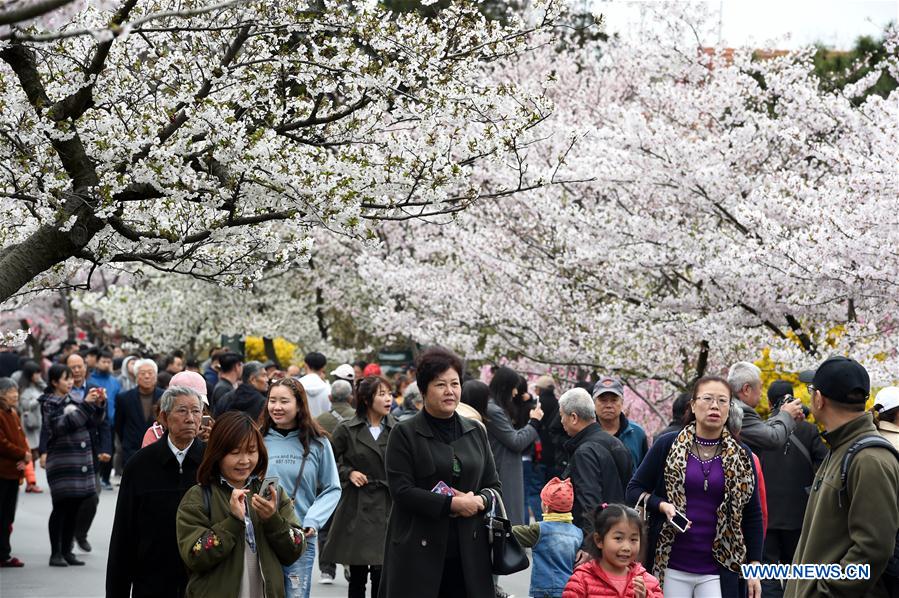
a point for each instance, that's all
(162, 312)
(212, 141)
(735, 205)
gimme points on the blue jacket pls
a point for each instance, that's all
(285, 455)
(112, 386)
(634, 438)
(554, 556)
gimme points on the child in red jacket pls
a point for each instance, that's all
(614, 572)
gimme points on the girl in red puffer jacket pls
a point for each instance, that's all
(615, 572)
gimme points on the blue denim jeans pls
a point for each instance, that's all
(534, 479)
(298, 576)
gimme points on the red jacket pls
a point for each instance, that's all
(13, 445)
(590, 580)
(763, 495)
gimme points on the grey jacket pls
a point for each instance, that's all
(30, 412)
(507, 445)
(766, 435)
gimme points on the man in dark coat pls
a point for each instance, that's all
(599, 465)
(134, 412)
(143, 550)
(788, 472)
(249, 395)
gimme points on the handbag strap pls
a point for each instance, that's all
(296, 486)
(497, 500)
(642, 505)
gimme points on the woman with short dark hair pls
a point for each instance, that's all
(705, 474)
(357, 534)
(439, 470)
(232, 538)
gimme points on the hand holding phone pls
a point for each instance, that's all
(680, 522)
(269, 487)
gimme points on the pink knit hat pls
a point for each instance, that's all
(193, 381)
(558, 495)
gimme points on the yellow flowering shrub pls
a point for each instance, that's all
(287, 352)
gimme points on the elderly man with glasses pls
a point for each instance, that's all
(143, 551)
(745, 382)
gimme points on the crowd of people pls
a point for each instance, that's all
(235, 477)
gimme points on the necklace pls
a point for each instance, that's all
(706, 458)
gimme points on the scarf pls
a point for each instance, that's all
(560, 517)
(729, 548)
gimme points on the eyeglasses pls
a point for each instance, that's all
(184, 412)
(709, 399)
(811, 389)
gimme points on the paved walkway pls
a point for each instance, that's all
(38, 580)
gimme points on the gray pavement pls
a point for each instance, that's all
(38, 580)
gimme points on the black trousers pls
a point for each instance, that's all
(780, 546)
(86, 513)
(359, 575)
(62, 523)
(329, 568)
(9, 495)
(452, 583)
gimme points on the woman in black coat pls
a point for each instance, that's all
(357, 533)
(437, 542)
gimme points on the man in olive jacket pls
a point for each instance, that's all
(858, 524)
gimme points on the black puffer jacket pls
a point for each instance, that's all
(243, 398)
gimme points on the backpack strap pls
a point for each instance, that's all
(337, 416)
(873, 440)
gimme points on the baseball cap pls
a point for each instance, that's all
(608, 384)
(344, 371)
(837, 376)
(887, 398)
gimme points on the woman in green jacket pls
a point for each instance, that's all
(232, 539)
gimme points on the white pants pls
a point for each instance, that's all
(679, 584)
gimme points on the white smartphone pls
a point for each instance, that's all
(680, 522)
(266, 484)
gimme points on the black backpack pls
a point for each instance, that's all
(860, 444)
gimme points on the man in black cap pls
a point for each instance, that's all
(788, 472)
(855, 524)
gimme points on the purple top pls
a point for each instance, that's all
(692, 551)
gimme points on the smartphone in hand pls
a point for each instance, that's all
(680, 522)
(268, 485)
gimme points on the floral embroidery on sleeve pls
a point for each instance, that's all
(207, 541)
(296, 535)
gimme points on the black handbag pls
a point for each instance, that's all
(506, 554)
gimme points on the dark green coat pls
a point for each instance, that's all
(360, 521)
(418, 528)
(212, 546)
